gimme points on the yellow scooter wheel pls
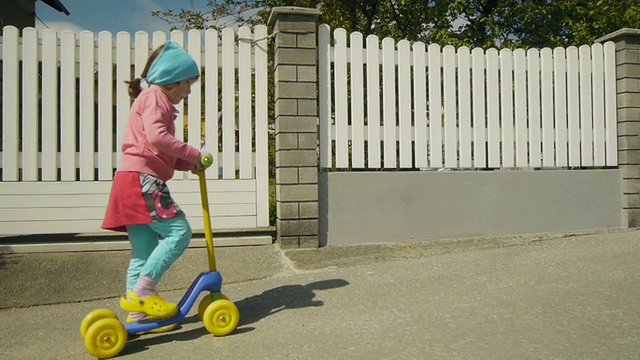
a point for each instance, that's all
(221, 317)
(94, 316)
(105, 338)
(208, 299)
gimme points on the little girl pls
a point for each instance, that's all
(140, 202)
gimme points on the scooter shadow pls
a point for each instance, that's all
(252, 310)
(272, 301)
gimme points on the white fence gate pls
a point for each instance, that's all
(65, 106)
(395, 105)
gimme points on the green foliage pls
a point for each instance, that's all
(483, 23)
(218, 14)
(272, 202)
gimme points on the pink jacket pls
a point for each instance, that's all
(149, 144)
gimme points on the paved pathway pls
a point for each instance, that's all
(564, 298)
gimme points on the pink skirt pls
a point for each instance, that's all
(137, 198)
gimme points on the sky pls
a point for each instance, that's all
(110, 15)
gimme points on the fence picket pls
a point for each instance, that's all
(194, 103)
(49, 105)
(586, 110)
(211, 107)
(30, 106)
(324, 95)
(244, 102)
(420, 105)
(123, 74)
(506, 107)
(464, 106)
(141, 52)
(373, 102)
(560, 105)
(181, 131)
(105, 106)
(520, 102)
(546, 87)
(533, 88)
(10, 104)
(599, 136)
(87, 103)
(573, 109)
(435, 106)
(449, 101)
(68, 101)
(261, 126)
(493, 105)
(404, 103)
(228, 104)
(160, 37)
(611, 126)
(389, 102)
(479, 108)
(357, 101)
(341, 104)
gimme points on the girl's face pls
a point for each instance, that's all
(179, 91)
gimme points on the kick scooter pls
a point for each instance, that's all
(105, 336)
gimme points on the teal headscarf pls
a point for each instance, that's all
(172, 65)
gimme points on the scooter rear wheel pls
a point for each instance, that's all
(208, 299)
(93, 317)
(105, 338)
(221, 317)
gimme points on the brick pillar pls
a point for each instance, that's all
(628, 101)
(296, 104)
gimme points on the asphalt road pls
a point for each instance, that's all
(575, 297)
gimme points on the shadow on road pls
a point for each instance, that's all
(5, 256)
(252, 310)
(272, 301)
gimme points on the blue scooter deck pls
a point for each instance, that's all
(206, 281)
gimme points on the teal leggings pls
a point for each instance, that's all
(149, 255)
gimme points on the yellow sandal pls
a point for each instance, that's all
(153, 305)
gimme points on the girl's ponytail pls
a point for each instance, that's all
(134, 87)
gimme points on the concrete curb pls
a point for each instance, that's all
(116, 245)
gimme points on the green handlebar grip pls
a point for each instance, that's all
(206, 160)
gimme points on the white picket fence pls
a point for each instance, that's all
(400, 105)
(65, 106)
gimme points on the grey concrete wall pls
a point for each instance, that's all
(369, 207)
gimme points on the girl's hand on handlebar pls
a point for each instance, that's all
(196, 168)
(204, 161)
